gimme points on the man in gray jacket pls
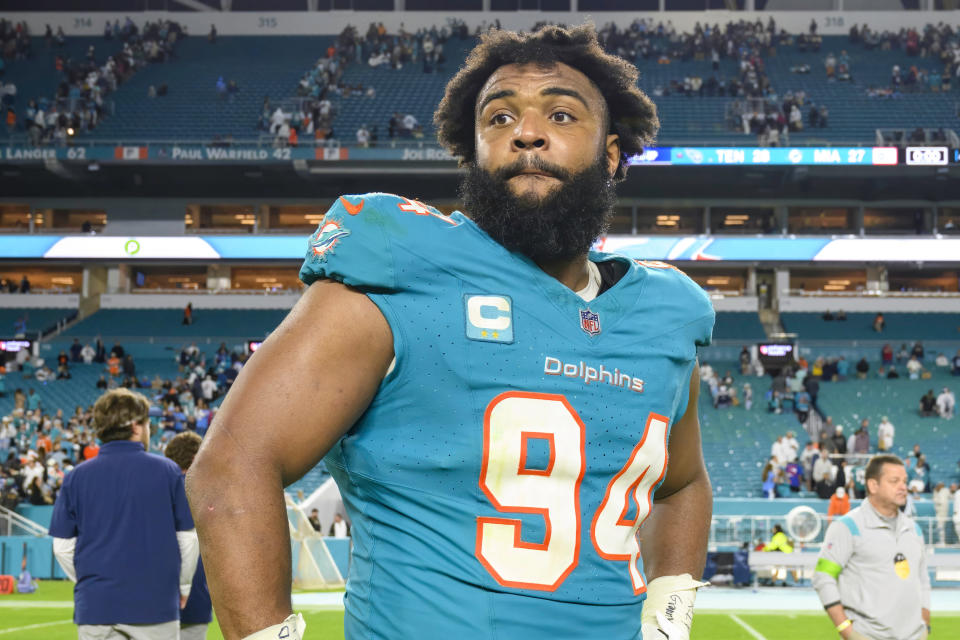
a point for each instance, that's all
(871, 575)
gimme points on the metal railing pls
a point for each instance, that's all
(873, 293)
(735, 530)
(14, 524)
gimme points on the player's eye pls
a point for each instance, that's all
(561, 117)
(500, 119)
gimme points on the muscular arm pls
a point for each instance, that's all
(674, 537)
(305, 387)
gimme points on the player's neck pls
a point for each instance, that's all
(572, 273)
(886, 510)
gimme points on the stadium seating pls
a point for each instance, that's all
(37, 77)
(738, 325)
(859, 326)
(272, 66)
(38, 320)
(147, 323)
(736, 442)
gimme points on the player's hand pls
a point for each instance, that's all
(664, 630)
(183, 601)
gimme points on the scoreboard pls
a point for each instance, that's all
(796, 156)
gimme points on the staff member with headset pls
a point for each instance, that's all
(871, 575)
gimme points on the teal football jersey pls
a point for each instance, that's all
(497, 481)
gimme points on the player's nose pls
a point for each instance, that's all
(530, 133)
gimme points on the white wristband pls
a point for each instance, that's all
(290, 629)
(669, 605)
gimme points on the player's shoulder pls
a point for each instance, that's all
(389, 205)
(357, 240)
(664, 279)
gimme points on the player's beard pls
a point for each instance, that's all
(559, 225)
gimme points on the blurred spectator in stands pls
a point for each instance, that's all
(885, 434)
(212, 36)
(188, 313)
(879, 324)
(314, 519)
(24, 284)
(941, 361)
(862, 440)
(129, 367)
(769, 476)
(955, 364)
(807, 457)
(824, 116)
(747, 396)
(917, 351)
(946, 402)
(33, 401)
(75, 350)
(892, 373)
(823, 475)
(928, 405)
(744, 361)
(363, 136)
(886, 354)
(941, 507)
(801, 405)
(857, 479)
(87, 354)
(61, 37)
(339, 528)
(839, 504)
(830, 64)
(863, 368)
(839, 441)
(102, 382)
(113, 364)
(63, 367)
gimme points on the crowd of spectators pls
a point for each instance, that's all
(80, 100)
(313, 111)
(40, 444)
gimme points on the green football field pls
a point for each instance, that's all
(46, 615)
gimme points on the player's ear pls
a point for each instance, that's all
(612, 153)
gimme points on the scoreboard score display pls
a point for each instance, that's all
(10, 347)
(774, 356)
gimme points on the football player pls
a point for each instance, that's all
(497, 403)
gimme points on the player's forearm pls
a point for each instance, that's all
(241, 521)
(674, 538)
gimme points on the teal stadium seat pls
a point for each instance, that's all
(738, 325)
(270, 65)
(900, 327)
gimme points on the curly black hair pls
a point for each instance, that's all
(631, 114)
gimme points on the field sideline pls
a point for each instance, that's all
(47, 615)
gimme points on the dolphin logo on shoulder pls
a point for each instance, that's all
(327, 237)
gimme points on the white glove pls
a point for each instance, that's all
(290, 629)
(668, 610)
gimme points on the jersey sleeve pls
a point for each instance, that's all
(684, 305)
(834, 555)
(367, 241)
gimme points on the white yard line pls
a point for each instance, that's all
(36, 604)
(753, 632)
(35, 626)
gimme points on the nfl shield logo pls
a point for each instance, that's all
(589, 322)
